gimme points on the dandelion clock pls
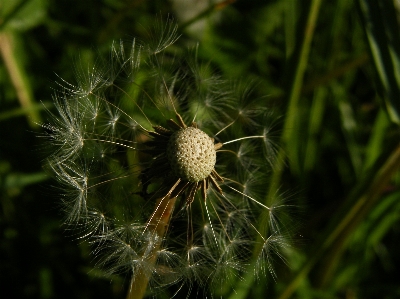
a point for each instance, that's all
(163, 168)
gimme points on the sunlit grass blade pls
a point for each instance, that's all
(18, 75)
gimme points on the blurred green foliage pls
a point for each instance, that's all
(332, 71)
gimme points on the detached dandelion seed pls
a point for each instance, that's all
(163, 169)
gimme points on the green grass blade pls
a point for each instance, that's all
(376, 142)
(382, 31)
(300, 64)
(289, 139)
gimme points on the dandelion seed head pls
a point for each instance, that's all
(119, 167)
(191, 154)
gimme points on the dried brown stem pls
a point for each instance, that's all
(158, 224)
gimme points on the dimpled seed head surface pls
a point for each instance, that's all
(191, 154)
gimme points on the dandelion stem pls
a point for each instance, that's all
(158, 225)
